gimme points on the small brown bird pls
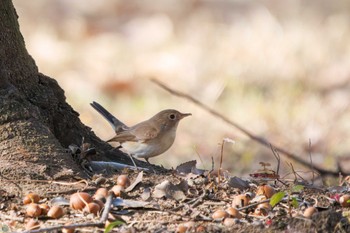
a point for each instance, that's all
(148, 138)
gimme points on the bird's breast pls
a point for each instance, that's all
(152, 147)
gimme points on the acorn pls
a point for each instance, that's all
(219, 214)
(101, 192)
(33, 210)
(265, 190)
(262, 209)
(55, 212)
(233, 212)
(79, 200)
(240, 201)
(117, 190)
(200, 228)
(230, 222)
(308, 212)
(99, 197)
(68, 230)
(181, 228)
(100, 203)
(31, 198)
(123, 181)
(44, 208)
(92, 208)
(32, 224)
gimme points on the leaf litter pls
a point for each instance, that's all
(189, 199)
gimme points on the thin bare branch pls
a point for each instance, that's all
(278, 158)
(311, 163)
(260, 140)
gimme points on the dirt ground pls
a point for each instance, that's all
(185, 199)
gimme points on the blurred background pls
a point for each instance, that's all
(281, 69)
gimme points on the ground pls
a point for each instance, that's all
(178, 200)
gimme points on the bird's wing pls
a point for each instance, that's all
(137, 133)
(116, 124)
(145, 132)
(123, 137)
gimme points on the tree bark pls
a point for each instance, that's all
(36, 124)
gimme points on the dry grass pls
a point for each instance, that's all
(281, 69)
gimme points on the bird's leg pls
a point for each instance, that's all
(147, 160)
(132, 159)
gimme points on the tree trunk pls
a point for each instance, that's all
(36, 124)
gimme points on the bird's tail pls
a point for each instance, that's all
(113, 121)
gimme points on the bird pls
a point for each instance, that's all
(148, 138)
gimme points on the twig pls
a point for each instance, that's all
(50, 182)
(278, 158)
(71, 191)
(295, 173)
(108, 206)
(199, 156)
(260, 140)
(14, 218)
(252, 205)
(311, 163)
(193, 202)
(199, 199)
(212, 163)
(258, 217)
(221, 158)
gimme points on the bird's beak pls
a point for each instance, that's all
(183, 115)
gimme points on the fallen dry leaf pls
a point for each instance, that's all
(135, 183)
(169, 190)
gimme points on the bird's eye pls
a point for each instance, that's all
(172, 116)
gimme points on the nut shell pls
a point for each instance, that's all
(32, 224)
(55, 212)
(123, 180)
(92, 208)
(44, 208)
(230, 222)
(240, 200)
(117, 190)
(68, 230)
(220, 214)
(181, 229)
(309, 212)
(101, 192)
(33, 210)
(233, 212)
(100, 203)
(265, 190)
(79, 200)
(31, 198)
(262, 209)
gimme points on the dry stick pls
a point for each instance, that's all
(253, 205)
(8, 217)
(108, 206)
(311, 163)
(72, 191)
(260, 140)
(200, 158)
(278, 158)
(296, 174)
(221, 158)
